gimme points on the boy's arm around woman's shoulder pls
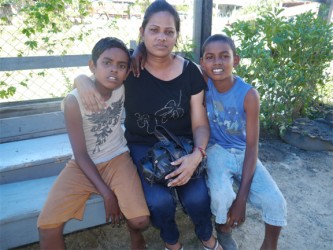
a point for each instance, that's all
(90, 97)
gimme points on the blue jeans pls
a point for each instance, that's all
(193, 197)
(225, 166)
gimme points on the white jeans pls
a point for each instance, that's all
(225, 167)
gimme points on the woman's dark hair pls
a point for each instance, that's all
(108, 43)
(159, 6)
(219, 38)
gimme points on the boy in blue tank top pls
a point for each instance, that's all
(233, 109)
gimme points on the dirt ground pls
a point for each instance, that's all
(304, 177)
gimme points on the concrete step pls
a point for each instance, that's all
(33, 158)
(31, 126)
(34, 148)
(21, 203)
(31, 107)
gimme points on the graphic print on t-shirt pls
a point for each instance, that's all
(104, 122)
(228, 117)
(171, 110)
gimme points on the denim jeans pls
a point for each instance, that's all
(225, 166)
(193, 197)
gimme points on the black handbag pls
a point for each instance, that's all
(157, 163)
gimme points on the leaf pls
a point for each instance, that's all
(286, 77)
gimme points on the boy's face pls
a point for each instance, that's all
(111, 69)
(218, 61)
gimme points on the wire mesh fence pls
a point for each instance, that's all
(77, 34)
(120, 19)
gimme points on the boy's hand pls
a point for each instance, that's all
(236, 214)
(91, 98)
(112, 210)
(138, 59)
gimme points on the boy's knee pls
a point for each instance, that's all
(223, 198)
(275, 210)
(51, 238)
(139, 223)
(283, 202)
(278, 201)
(283, 205)
(46, 232)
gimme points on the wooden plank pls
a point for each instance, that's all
(42, 62)
(32, 126)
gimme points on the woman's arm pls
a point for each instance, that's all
(252, 110)
(74, 127)
(201, 133)
(199, 119)
(90, 97)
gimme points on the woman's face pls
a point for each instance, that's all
(160, 35)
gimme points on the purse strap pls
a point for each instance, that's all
(164, 139)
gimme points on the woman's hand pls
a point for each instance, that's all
(187, 165)
(90, 97)
(138, 59)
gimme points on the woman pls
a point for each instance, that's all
(168, 92)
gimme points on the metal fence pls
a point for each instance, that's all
(108, 18)
(122, 19)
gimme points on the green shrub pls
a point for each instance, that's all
(287, 61)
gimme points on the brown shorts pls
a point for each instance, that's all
(72, 189)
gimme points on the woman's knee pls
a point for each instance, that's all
(162, 205)
(194, 193)
(195, 206)
(139, 223)
(193, 200)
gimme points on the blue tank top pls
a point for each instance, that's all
(226, 115)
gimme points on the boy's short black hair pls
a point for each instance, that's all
(219, 38)
(108, 43)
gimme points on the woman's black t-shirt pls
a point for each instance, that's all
(150, 101)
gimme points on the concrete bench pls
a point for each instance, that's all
(21, 203)
(33, 138)
(19, 121)
(33, 158)
(34, 149)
